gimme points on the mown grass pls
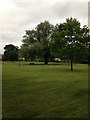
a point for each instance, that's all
(44, 91)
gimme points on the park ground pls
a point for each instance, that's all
(44, 91)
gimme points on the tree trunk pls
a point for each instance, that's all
(71, 64)
(25, 59)
(46, 61)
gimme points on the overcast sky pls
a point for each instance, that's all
(16, 16)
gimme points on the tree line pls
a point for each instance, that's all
(67, 40)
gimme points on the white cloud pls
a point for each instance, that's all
(18, 15)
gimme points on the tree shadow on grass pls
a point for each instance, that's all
(46, 64)
(32, 64)
(67, 69)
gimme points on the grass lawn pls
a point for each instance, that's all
(44, 91)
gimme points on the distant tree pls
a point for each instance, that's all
(36, 51)
(40, 39)
(24, 52)
(11, 53)
(0, 57)
(70, 41)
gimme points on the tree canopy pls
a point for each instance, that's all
(70, 41)
(67, 40)
(39, 39)
(11, 53)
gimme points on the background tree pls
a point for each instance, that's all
(24, 52)
(40, 39)
(43, 33)
(70, 40)
(32, 53)
(11, 53)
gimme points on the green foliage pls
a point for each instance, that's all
(76, 45)
(30, 37)
(24, 52)
(10, 53)
(38, 40)
(48, 41)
